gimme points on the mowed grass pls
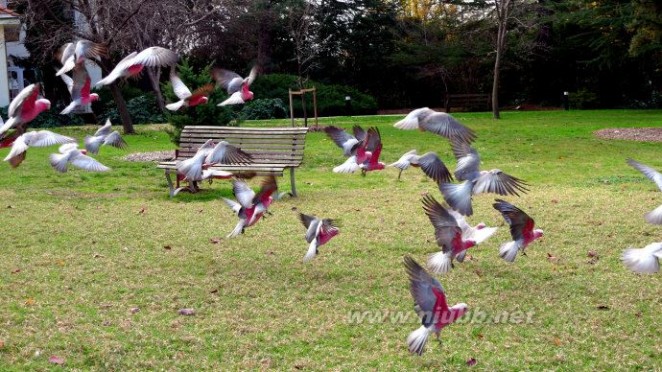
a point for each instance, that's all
(95, 267)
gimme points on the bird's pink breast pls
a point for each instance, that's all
(135, 69)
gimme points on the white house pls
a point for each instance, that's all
(10, 29)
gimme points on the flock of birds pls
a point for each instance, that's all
(362, 148)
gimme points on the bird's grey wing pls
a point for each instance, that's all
(434, 168)
(447, 126)
(649, 172)
(498, 182)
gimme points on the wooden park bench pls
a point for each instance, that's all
(273, 150)
(473, 101)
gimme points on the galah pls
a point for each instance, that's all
(644, 260)
(207, 174)
(367, 155)
(79, 89)
(318, 232)
(41, 138)
(75, 54)
(209, 154)
(654, 216)
(459, 196)
(250, 207)
(24, 108)
(448, 235)
(134, 63)
(431, 304)
(521, 229)
(69, 153)
(236, 86)
(186, 98)
(439, 123)
(436, 168)
(478, 233)
(349, 143)
(102, 137)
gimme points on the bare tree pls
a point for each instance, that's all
(502, 11)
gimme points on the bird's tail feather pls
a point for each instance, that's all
(237, 229)
(440, 262)
(175, 106)
(417, 340)
(312, 251)
(508, 251)
(640, 260)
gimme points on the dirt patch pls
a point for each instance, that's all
(632, 134)
(151, 156)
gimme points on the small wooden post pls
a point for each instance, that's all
(291, 108)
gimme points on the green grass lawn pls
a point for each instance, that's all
(95, 267)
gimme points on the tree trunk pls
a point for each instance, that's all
(154, 80)
(502, 10)
(495, 87)
(127, 124)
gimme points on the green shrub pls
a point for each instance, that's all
(207, 114)
(330, 98)
(142, 109)
(583, 99)
(265, 108)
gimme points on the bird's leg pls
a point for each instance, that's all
(523, 253)
(399, 174)
(363, 172)
(439, 338)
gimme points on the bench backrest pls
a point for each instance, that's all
(267, 145)
(468, 100)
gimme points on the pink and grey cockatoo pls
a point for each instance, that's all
(437, 170)
(349, 143)
(367, 155)
(186, 98)
(236, 86)
(69, 153)
(102, 137)
(448, 235)
(478, 233)
(250, 207)
(134, 63)
(439, 123)
(431, 304)
(654, 216)
(208, 154)
(24, 108)
(521, 229)
(75, 54)
(475, 181)
(79, 88)
(644, 260)
(318, 232)
(41, 138)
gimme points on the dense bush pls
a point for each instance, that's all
(207, 114)
(142, 109)
(265, 108)
(330, 98)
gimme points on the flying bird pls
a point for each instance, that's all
(41, 138)
(654, 216)
(521, 229)
(104, 136)
(236, 86)
(186, 98)
(644, 260)
(250, 207)
(69, 153)
(439, 123)
(79, 88)
(475, 181)
(448, 235)
(431, 304)
(349, 143)
(367, 155)
(75, 54)
(24, 108)
(209, 154)
(318, 232)
(134, 63)
(478, 233)
(437, 170)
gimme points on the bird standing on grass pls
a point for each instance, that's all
(318, 232)
(431, 304)
(521, 229)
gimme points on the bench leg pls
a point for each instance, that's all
(293, 184)
(171, 188)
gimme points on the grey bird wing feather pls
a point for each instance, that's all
(514, 216)
(445, 125)
(647, 171)
(421, 284)
(497, 182)
(445, 225)
(434, 168)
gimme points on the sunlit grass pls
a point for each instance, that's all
(81, 250)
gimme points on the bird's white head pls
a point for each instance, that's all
(537, 233)
(94, 97)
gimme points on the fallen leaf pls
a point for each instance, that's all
(201, 210)
(2, 344)
(298, 366)
(602, 307)
(10, 207)
(214, 291)
(557, 341)
(56, 360)
(638, 314)
(16, 271)
(215, 240)
(551, 258)
(593, 254)
(134, 310)
(187, 311)
(142, 210)
(96, 255)
(294, 208)
(471, 362)
(554, 201)
(30, 301)
(167, 247)
(478, 272)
